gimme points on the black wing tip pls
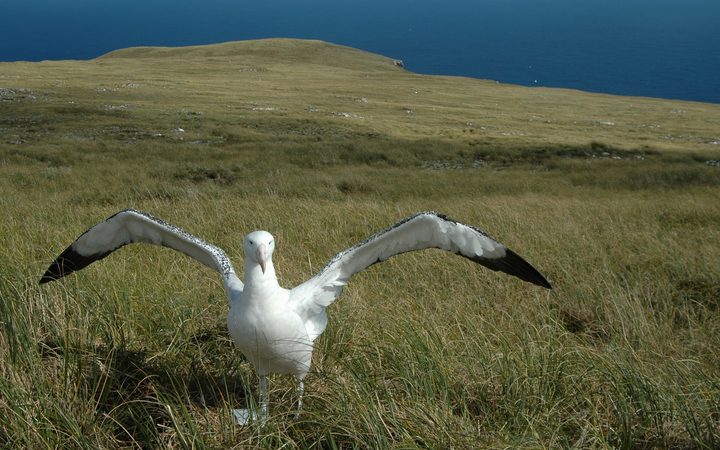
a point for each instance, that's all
(64, 265)
(48, 277)
(524, 270)
(58, 269)
(513, 264)
(68, 262)
(542, 282)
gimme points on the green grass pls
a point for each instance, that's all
(424, 351)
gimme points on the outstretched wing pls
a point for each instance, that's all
(421, 231)
(127, 227)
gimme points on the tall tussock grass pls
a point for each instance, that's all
(423, 351)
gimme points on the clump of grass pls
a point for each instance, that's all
(352, 154)
(353, 187)
(703, 291)
(220, 175)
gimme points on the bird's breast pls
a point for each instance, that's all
(273, 339)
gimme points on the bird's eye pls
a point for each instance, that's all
(251, 242)
(270, 243)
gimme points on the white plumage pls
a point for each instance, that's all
(275, 327)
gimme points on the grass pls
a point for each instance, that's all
(612, 198)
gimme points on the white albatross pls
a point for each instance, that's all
(275, 327)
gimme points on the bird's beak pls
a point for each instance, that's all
(261, 255)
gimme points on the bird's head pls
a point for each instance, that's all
(259, 246)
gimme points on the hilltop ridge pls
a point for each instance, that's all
(266, 50)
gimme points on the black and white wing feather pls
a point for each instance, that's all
(130, 226)
(421, 231)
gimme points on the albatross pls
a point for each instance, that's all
(275, 328)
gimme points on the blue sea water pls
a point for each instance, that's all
(655, 48)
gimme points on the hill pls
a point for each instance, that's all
(283, 80)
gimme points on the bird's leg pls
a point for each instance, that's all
(245, 416)
(263, 399)
(300, 389)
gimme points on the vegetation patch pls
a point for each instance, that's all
(580, 323)
(353, 187)
(672, 178)
(702, 292)
(219, 175)
(352, 154)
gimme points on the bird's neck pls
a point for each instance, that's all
(257, 282)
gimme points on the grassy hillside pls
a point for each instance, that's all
(615, 199)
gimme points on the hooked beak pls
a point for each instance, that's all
(261, 256)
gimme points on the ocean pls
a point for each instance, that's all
(655, 48)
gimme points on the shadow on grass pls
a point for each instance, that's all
(136, 392)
